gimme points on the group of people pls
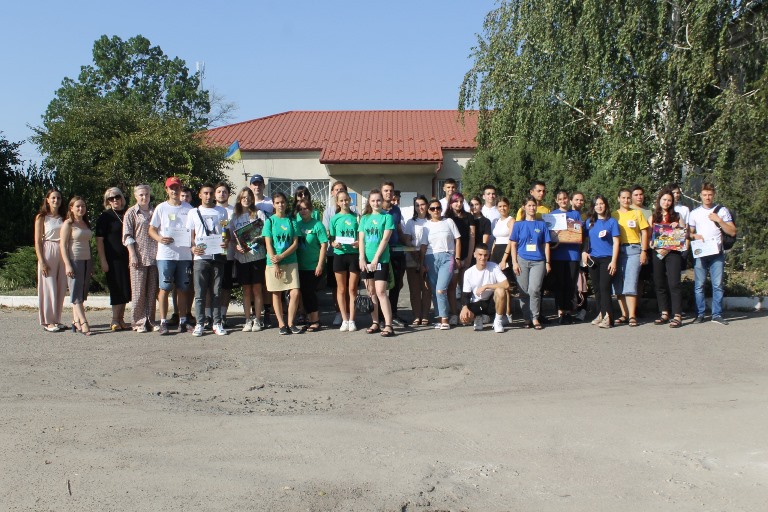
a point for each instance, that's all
(460, 257)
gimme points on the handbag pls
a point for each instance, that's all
(363, 304)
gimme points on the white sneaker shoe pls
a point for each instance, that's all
(344, 326)
(498, 326)
(248, 327)
(453, 320)
(351, 327)
(509, 319)
(198, 329)
(337, 319)
(479, 323)
(219, 329)
(257, 325)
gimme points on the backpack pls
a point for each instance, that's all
(728, 240)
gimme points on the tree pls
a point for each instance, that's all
(132, 117)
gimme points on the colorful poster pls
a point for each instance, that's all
(667, 237)
(250, 235)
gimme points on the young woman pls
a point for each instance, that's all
(313, 244)
(51, 274)
(76, 250)
(374, 233)
(250, 261)
(342, 228)
(601, 256)
(633, 227)
(421, 297)
(565, 263)
(113, 255)
(530, 254)
(300, 193)
(441, 249)
(142, 251)
(465, 223)
(667, 263)
(281, 237)
(502, 228)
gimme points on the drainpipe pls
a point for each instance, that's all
(434, 178)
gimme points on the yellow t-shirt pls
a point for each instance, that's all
(630, 224)
(540, 210)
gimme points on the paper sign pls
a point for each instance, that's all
(555, 221)
(701, 248)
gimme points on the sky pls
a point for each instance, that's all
(265, 56)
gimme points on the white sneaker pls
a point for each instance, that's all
(257, 325)
(141, 328)
(479, 323)
(344, 326)
(219, 329)
(337, 319)
(498, 326)
(509, 319)
(351, 327)
(198, 329)
(453, 320)
(248, 327)
(444, 327)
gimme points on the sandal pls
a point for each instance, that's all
(115, 327)
(632, 322)
(82, 328)
(416, 322)
(537, 326)
(374, 328)
(425, 321)
(676, 322)
(664, 318)
(622, 319)
(314, 327)
(387, 331)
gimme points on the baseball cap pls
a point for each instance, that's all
(257, 177)
(173, 180)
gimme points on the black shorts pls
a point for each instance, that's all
(251, 272)
(382, 274)
(483, 307)
(346, 263)
(227, 280)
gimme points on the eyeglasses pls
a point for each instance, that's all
(114, 198)
(435, 208)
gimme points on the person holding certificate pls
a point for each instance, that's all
(565, 261)
(633, 227)
(668, 243)
(168, 227)
(342, 229)
(250, 255)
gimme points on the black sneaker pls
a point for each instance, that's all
(186, 327)
(284, 330)
(719, 320)
(698, 320)
(208, 323)
(295, 329)
(174, 321)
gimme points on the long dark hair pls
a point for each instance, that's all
(450, 213)
(45, 210)
(306, 195)
(71, 217)
(416, 210)
(593, 214)
(658, 213)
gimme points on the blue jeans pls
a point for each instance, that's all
(439, 271)
(715, 265)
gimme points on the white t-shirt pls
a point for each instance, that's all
(444, 205)
(491, 213)
(415, 228)
(441, 236)
(684, 212)
(168, 216)
(213, 218)
(266, 206)
(474, 278)
(699, 219)
(244, 219)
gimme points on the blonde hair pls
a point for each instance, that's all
(111, 192)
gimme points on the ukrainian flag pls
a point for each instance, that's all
(233, 153)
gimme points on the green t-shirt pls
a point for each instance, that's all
(281, 231)
(373, 227)
(311, 236)
(344, 224)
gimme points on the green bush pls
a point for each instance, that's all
(19, 269)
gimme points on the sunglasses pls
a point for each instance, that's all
(435, 208)
(114, 198)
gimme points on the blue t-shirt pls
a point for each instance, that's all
(397, 217)
(568, 252)
(602, 246)
(530, 235)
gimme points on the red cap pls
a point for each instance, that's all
(173, 180)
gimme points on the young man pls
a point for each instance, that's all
(397, 256)
(261, 202)
(538, 190)
(449, 188)
(490, 211)
(222, 199)
(206, 221)
(484, 292)
(174, 257)
(705, 223)
(680, 208)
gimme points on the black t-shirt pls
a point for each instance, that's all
(482, 227)
(463, 224)
(109, 226)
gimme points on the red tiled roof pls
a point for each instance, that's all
(360, 136)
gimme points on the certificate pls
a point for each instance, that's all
(346, 240)
(182, 237)
(555, 221)
(211, 244)
(701, 248)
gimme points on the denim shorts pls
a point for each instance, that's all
(625, 280)
(178, 272)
